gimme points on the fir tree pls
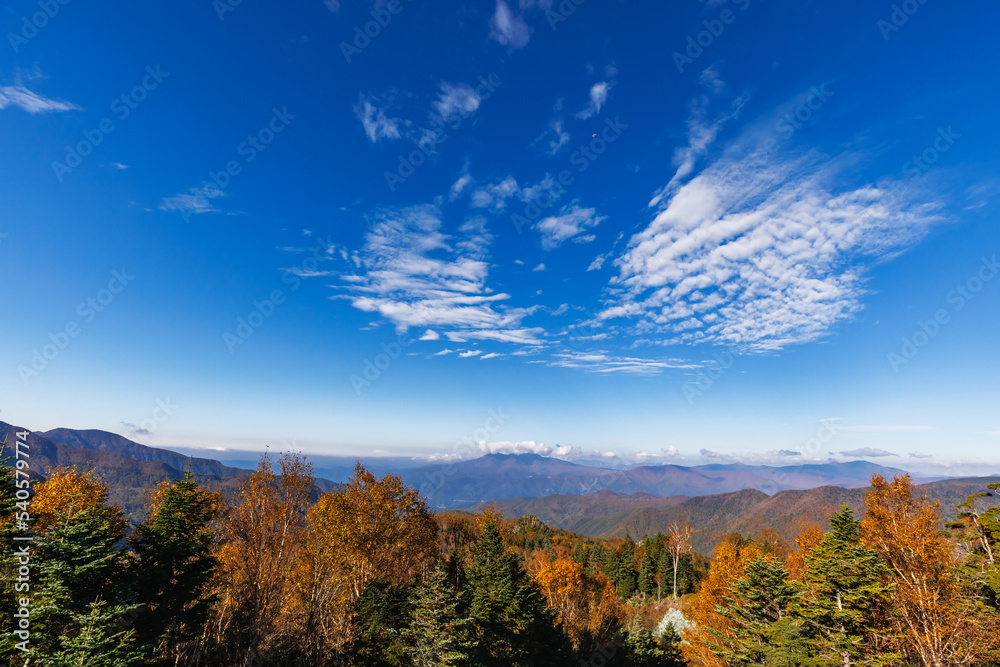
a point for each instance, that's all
(513, 627)
(174, 567)
(758, 606)
(438, 634)
(82, 603)
(647, 572)
(626, 576)
(844, 595)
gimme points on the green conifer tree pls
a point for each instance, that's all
(844, 595)
(83, 604)
(765, 634)
(174, 566)
(513, 626)
(439, 634)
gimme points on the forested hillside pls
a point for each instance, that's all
(367, 574)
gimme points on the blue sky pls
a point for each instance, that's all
(686, 231)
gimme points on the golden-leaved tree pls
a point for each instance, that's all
(370, 529)
(937, 619)
(263, 536)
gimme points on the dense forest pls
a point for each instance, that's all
(279, 574)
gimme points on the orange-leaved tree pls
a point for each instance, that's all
(262, 533)
(937, 620)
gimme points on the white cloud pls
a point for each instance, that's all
(494, 196)
(568, 225)
(553, 138)
(867, 452)
(458, 186)
(456, 101)
(597, 263)
(868, 429)
(760, 253)
(430, 334)
(701, 135)
(375, 121)
(508, 447)
(195, 200)
(508, 28)
(598, 96)
(602, 362)
(540, 267)
(491, 355)
(710, 79)
(119, 165)
(33, 103)
(415, 275)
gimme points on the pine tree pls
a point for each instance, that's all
(670, 644)
(174, 566)
(438, 634)
(758, 606)
(513, 627)
(82, 603)
(626, 576)
(979, 529)
(845, 597)
(647, 572)
(665, 574)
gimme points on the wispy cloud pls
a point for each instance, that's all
(867, 452)
(598, 96)
(553, 138)
(494, 195)
(762, 252)
(604, 362)
(33, 103)
(375, 121)
(456, 101)
(569, 224)
(870, 429)
(415, 275)
(508, 28)
(195, 201)
(701, 134)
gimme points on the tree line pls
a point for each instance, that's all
(368, 575)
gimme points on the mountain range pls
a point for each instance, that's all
(587, 499)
